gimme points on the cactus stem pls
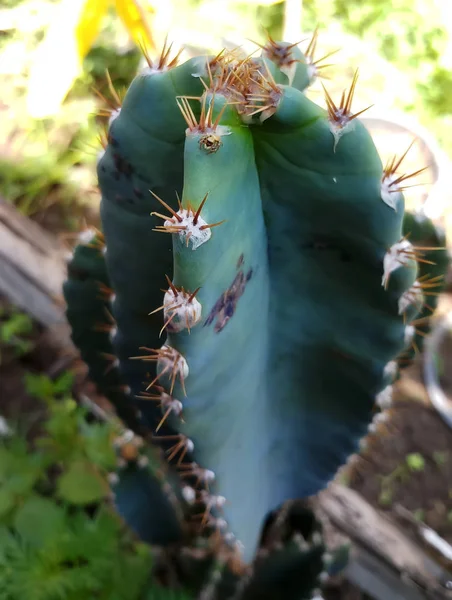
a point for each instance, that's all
(399, 254)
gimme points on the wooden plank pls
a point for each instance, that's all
(32, 267)
(385, 563)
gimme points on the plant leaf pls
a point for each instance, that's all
(82, 484)
(39, 520)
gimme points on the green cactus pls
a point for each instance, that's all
(280, 237)
(431, 241)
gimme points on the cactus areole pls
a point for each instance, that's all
(256, 281)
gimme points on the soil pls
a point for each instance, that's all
(382, 475)
(44, 357)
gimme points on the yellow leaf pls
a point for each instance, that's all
(89, 24)
(135, 19)
(58, 59)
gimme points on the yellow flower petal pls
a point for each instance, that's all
(136, 21)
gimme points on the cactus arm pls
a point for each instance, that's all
(142, 475)
(88, 296)
(440, 401)
(423, 233)
(231, 270)
(329, 217)
(149, 125)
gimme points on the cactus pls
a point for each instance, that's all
(423, 233)
(278, 237)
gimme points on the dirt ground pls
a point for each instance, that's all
(408, 460)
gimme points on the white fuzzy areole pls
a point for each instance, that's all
(189, 445)
(397, 256)
(189, 494)
(289, 71)
(86, 236)
(192, 234)
(183, 312)
(409, 334)
(114, 115)
(412, 296)
(174, 361)
(221, 524)
(384, 398)
(313, 73)
(205, 475)
(390, 192)
(148, 71)
(390, 370)
(381, 417)
(201, 65)
(212, 501)
(170, 403)
(340, 128)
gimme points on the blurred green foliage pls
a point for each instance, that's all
(410, 35)
(60, 538)
(15, 330)
(54, 160)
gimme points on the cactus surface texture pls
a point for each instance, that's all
(242, 307)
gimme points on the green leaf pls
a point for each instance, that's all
(82, 484)
(19, 471)
(98, 445)
(63, 385)
(7, 502)
(39, 520)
